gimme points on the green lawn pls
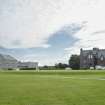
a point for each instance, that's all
(52, 88)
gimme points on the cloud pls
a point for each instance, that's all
(99, 32)
(30, 23)
(92, 34)
(46, 45)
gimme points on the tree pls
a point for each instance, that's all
(61, 66)
(74, 62)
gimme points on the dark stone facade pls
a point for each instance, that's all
(92, 58)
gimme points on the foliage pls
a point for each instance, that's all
(61, 66)
(27, 68)
(74, 62)
(45, 67)
(57, 66)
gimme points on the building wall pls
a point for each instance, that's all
(92, 58)
(19, 65)
(8, 62)
(8, 65)
(27, 65)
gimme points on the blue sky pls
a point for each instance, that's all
(53, 54)
(49, 31)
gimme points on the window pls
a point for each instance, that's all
(102, 58)
(90, 56)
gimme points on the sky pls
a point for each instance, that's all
(49, 31)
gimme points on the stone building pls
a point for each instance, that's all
(92, 58)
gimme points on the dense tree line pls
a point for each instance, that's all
(74, 64)
(57, 66)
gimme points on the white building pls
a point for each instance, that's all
(9, 62)
(27, 65)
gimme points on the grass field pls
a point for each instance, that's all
(52, 88)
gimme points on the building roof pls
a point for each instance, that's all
(7, 59)
(100, 52)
